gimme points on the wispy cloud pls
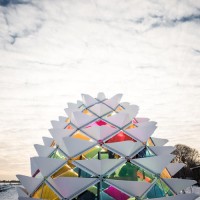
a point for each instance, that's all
(51, 51)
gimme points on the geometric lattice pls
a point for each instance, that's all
(102, 150)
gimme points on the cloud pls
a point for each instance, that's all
(52, 51)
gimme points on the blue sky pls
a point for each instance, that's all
(52, 51)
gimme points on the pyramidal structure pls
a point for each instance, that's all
(102, 151)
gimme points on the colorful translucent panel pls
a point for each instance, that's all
(160, 189)
(165, 174)
(116, 194)
(92, 152)
(121, 136)
(58, 154)
(132, 172)
(80, 135)
(44, 192)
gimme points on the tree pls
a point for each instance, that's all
(189, 156)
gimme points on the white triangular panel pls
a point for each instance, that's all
(119, 119)
(21, 192)
(111, 103)
(178, 184)
(124, 104)
(34, 166)
(159, 141)
(179, 197)
(173, 168)
(79, 119)
(48, 165)
(59, 124)
(147, 123)
(132, 110)
(69, 187)
(58, 138)
(43, 151)
(47, 141)
(29, 183)
(100, 132)
(99, 167)
(125, 148)
(88, 100)
(75, 147)
(69, 111)
(62, 119)
(141, 133)
(61, 132)
(100, 109)
(73, 105)
(154, 164)
(141, 119)
(161, 150)
(101, 96)
(117, 97)
(132, 188)
(79, 103)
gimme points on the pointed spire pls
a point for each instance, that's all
(88, 100)
(59, 124)
(69, 187)
(132, 110)
(79, 119)
(100, 109)
(132, 188)
(69, 111)
(141, 133)
(43, 151)
(161, 150)
(173, 168)
(73, 105)
(57, 132)
(99, 167)
(62, 119)
(159, 141)
(117, 97)
(101, 96)
(75, 147)
(178, 184)
(48, 165)
(154, 164)
(100, 132)
(30, 183)
(120, 119)
(47, 141)
(125, 148)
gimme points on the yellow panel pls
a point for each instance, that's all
(150, 143)
(44, 192)
(131, 126)
(87, 112)
(61, 171)
(165, 174)
(69, 173)
(69, 162)
(119, 108)
(80, 135)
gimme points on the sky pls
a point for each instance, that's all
(53, 51)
